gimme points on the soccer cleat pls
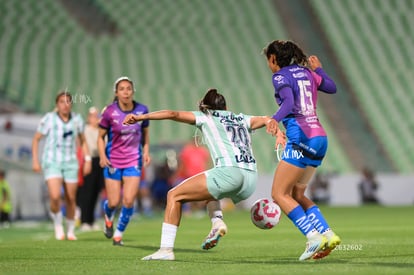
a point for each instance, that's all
(59, 233)
(117, 241)
(313, 246)
(71, 237)
(109, 229)
(333, 241)
(218, 230)
(163, 254)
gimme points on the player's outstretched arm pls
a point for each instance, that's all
(257, 122)
(180, 116)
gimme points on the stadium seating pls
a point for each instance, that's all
(372, 40)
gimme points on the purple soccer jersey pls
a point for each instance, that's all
(304, 84)
(123, 148)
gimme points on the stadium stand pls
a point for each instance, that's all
(175, 50)
(372, 41)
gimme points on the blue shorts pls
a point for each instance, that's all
(231, 182)
(307, 152)
(119, 173)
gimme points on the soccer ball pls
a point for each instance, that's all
(265, 213)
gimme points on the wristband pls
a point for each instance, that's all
(88, 158)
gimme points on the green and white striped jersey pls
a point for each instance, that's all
(60, 143)
(227, 135)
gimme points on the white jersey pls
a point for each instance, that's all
(227, 135)
(60, 143)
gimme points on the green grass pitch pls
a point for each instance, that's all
(375, 240)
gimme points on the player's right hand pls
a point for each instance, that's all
(130, 119)
(104, 162)
(36, 167)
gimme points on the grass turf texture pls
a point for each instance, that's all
(375, 240)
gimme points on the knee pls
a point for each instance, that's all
(278, 196)
(171, 196)
(298, 196)
(54, 200)
(113, 203)
(128, 203)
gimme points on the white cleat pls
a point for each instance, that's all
(59, 233)
(163, 254)
(313, 246)
(219, 230)
(71, 237)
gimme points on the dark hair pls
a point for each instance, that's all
(286, 53)
(63, 93)
(212, 100)
(119, 80)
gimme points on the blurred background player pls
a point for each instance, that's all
(368, 186)
(5, 201)
(319, 188)
(122, 156)
(62, 129)
(296, 90)
(164, 180)
(193, 159)
(234, 176)
(93, 182)
(144, 200)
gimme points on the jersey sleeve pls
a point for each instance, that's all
(325, 84)
(44, 125)
(318, 78)
(279, 82)
(104, 121)
(200, 118)
(247, 119)
(145, 123)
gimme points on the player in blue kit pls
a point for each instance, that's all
(122, 156)
(227, 135)
(296, 80)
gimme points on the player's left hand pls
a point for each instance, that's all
(314, 62)
(280, 139)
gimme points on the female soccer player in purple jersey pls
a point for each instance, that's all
(123, 155)
(296, 90)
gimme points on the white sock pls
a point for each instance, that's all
(328, 233)
(57, 218)
(312, 234)
(146, 203)
(168, 234)
(117, 234)
(214, 210)
(70, 224)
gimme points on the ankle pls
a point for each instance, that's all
(166, 249)
(328, 233)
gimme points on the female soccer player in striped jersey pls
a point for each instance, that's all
(122, 156)
(234, 175)
(296, 89)
(60, 165)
